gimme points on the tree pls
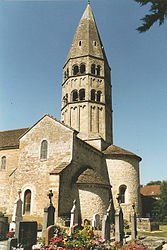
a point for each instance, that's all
(153, 183)
(159, 209)
(158, 11)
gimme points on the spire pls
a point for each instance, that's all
(87, 39)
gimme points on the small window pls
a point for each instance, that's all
(3, 162)
(93, 95)
(94, 43)
(122, 190)
(98, 96)
(44, 149)
(27, 202)
(93, 69)
(75, 95)
(67, 75)
(98, 70)
(82, 68)
(66, 98)
(82, 94)
(80, 43)
(75, 70)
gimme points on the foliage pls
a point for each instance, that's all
(159, 209)
(153, 183)
(158, 12)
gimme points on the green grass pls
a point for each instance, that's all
(161, 233)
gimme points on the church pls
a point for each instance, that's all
(74, 157)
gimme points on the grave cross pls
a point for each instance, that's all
(50, 195)
(118, 199)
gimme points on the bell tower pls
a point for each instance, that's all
(86, 88)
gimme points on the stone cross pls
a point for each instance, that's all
(17, 213)
(119, 225)
(50, 195)
(106, 222)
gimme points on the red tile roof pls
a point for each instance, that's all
(151, 190)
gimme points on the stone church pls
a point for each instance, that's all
(74, 157)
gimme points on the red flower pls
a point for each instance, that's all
(75, 236)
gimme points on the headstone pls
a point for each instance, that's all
(119, 223)
(49, 214)
(27, 234)
(12, 242)
(51, 231)
(106, 222)
(72, 219)
(133, 224)
(4, 226)
(17, 214)
(96, 221)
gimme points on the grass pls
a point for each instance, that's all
(161, 233)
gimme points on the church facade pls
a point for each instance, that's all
(74, 157)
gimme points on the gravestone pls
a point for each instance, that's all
(4, 226)
(72, 219)
(49, 214)
(27, 234)
(96, 221)
(51, 231)
(106, 222)
(119, 223)
(17, 214)
(12, 243)
(133, 224)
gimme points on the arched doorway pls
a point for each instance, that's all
(27, 202)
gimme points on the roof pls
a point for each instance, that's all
(10, 139)
(60, 168)
(89, 176)
(114, 150)
(150, 190)
(87, 33)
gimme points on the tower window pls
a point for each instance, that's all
(98, 70)
(93, 69)
(82, 94)
(75, 95)
(122, 190)
(3, 162)
(44, 149)
(94, 43)
(80, 43)
(67, 72)
(27, 201)
(75, 70)
(82, 68)
(66, 98)
(98, 96)
(93, 95)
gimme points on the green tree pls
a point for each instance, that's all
(153, 183)
(158, 12)
(160, 206)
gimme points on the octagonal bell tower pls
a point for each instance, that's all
(86, 88)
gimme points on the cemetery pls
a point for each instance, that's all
(95, 234)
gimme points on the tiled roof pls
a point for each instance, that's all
(89, 176)
(10, 139)
(114, 150)
(59, 168)
(151, 190)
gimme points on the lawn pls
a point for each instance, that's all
(161, 233)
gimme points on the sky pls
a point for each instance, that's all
(35, 37)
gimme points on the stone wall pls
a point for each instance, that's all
(124, 170)
(11, 164)
(33, 172)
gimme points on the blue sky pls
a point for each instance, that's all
(35, 37)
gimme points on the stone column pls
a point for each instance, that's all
(133, 224)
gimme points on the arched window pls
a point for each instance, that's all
(80, 43)
(122, 190)
(93, 91)
(3, 162)
(74, 95)
(66, 98)
(98, 70)
(82, 94)
(44, 149)
(65, 75)
(27, 202)
(93, 69)
(75, 70)
(98, 96)
(67, 72)
(82, 68)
